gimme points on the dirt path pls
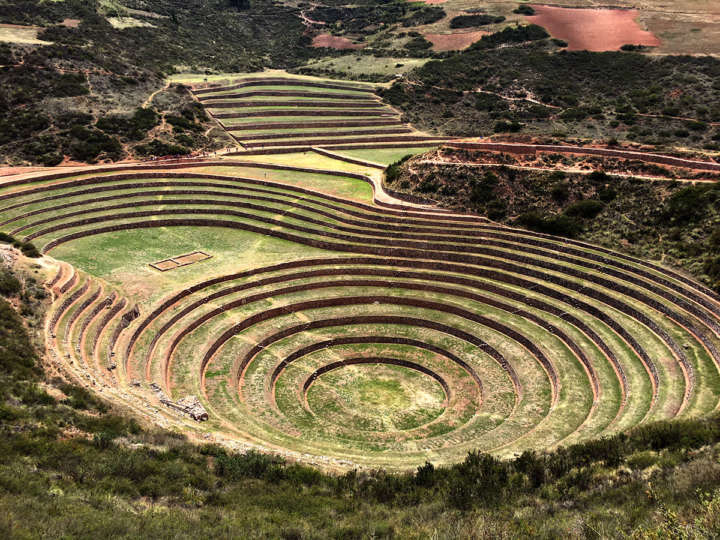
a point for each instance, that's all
(568, 170)
(147, 102)
(508, 98)
(683, 118)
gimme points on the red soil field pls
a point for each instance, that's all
(454, 42)
(593, 29)
(335, 42)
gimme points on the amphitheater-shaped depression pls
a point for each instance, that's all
(330, 325)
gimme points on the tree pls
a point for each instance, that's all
(240, 4)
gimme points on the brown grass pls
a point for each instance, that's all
(454, 42)
(335, 42)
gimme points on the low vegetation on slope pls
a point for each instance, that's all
(364, 19)
(535, 88)
(53, 95)
(668, 220)
(72, 467)
(49, 120)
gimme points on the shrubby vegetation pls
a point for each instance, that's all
(26, 248)
(366, 18)
(524, 9)
(531, 86)
(392, 172)
(106, 73)
(469, 21)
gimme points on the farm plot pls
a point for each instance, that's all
(593, 29)
(339, 328)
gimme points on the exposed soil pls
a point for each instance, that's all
(180, 260)
(10, 171)
(454, 42)
(71, 23)
(593, 29)
(191, 258)
(20, 26)
(335, 42)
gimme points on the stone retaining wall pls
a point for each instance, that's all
(298, 125)
(304, 103)
(269, 113)
(289, 93)
(310, 134)
(272, 81)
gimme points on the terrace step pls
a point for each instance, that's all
(368, 104)
(281, 81)
(297, 125)
(305, 112)
(285, 93)
(309, 134)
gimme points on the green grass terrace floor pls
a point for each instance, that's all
(344, 331)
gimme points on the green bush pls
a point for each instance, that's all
(560, 225)
(160, 148)
(607, 195)
(182, 122)
(688, 204)
(394, 170)
(629, 47)
(586, 209)
(524, 9)
(507, 127)
(418, 43)
(560, 192)
(29, 250)
(89, 144)
(482, 191)
(81, 398)
(516, 34)
(134, 127)
(17, 354)
(9, 284)
(251, 464)
(424, 15)
(469, 21)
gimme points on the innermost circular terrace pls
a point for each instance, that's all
(376, 394)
